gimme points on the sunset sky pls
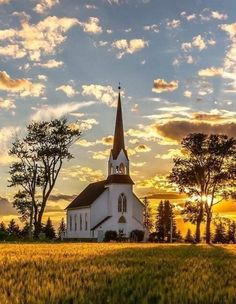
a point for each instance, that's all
(176, 61)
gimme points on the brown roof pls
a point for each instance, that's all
(88, 195)
(119, 142)
(119, 179)
(94, 190)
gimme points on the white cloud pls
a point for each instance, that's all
(188, 94)
(6, 136)
(42, 77)
(218, 15)
(92, 26)
(68, 90)
(105, 94)
(7, 104)
(23, 87)
(153, 27)
(172, 24)
(129, 47)
(4, 1)
(198, 42)
(45, 5)
(211, 72)
(47, 112)
(50, 64)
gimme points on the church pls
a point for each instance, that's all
(109, 204)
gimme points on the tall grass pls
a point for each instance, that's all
(117, 273)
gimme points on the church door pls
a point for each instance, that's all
(100, 236)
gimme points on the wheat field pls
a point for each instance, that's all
(117, 273)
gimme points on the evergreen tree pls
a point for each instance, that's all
(220, 236)
(160, 222)
(231, 233)
(62, 229)
(13, 229)
(49, 230)
(189, 238)
(3, 231)
(179, 237)
(165, 222)
(148, 223)
(26, 230)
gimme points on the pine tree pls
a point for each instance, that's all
(189, 238)
(160, 222)
(231, 233)
(62, 229)
(3, 227)
(25, 231)
(13, 229)
(179, 237)
(148, 223)
(220, 236)
(49, 230)
(3, 231)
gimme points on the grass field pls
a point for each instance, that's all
(117, 273)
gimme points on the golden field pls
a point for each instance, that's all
(117, 273)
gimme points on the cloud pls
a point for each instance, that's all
(100, 155)
(6, 136)
(154, 28)
(139, 164)
(92, 26)
(218, 15)
(47, 112)
(105, 94)
(176, 130)
(188, 94)
(129, 46)
(45, 5)
(160, 86)
(7, 104)
(6, 207)
(4, 1)
(171, 153)
(68, 90)
(22, 86)
(198, 42)
(42, 77)
(84, 174)
(142, 148)
(50, 64)
(61, 196)
(211, 72)
(172, 24)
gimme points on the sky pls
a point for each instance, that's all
(176, 61)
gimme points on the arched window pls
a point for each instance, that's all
(122, 169)
(122, 203)
(122, 220)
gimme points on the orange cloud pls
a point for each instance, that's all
(160, 86)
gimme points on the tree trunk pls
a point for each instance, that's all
(208, 228)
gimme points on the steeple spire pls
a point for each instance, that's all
(118, 143)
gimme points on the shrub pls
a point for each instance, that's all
(110, 235)
(137, 235)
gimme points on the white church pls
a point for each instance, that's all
(110, 204)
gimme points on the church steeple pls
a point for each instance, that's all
(118, 161)
(119, 142)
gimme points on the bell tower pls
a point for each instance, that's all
(118, 161)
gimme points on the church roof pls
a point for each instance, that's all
(88, 195)
(119, 179)
(100, 223)
(94, 190)
(118, 142)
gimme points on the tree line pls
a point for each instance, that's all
(205, 171)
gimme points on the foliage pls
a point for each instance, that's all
(62, 229)
(117, 273)
(137, 235)
(13, 229)
(49, 230)
(206, 171)
(40, 155)
(110, 235)
(165, 222)
(189, 238)
(148, 223)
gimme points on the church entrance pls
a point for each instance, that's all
(122, 225)
(100, 236)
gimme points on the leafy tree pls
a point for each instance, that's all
(49, 230)
(13, 229)
(160, 222)
(148, 223)
(40, 155)
(61, 229)
(206, 171)
(25, 230)
(189, 238)
(179, 237)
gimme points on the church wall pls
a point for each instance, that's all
(100, 208)
(76, 223)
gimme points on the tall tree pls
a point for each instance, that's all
(189, 238)
(220, 234)
(231, 233)
(49, 230)
(40, 155)
(206, 171)
(62, 229)
(160, 222)
(13, 229)
(148, 223)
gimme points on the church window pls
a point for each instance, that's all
(70, 222)
(122, 203)
(80, 222)
(75, 219)
(86, 221)
(122, 169)
(122, 220)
